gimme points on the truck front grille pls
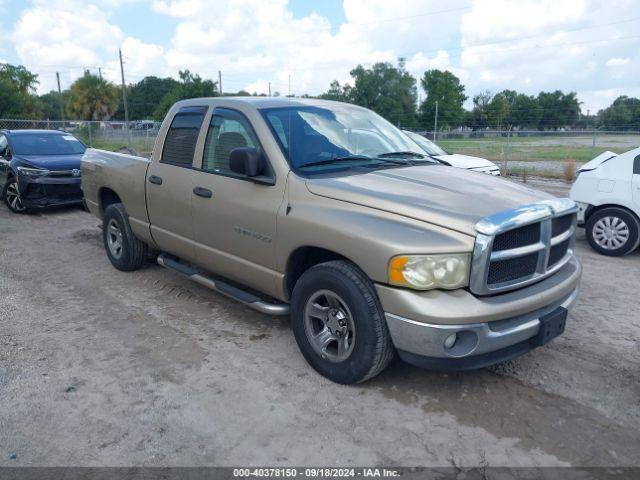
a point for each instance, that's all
(519, 247)
(502, 271)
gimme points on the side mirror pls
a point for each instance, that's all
(246, 161)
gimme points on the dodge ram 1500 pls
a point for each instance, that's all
(325, 211)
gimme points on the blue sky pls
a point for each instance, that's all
(587, 46)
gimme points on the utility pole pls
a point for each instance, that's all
(269, 88)
(60, 97)
(124, 95)
(435, 126)
(100, 72)
(220, 81)
(289, 84)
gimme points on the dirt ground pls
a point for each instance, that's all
(100, 367)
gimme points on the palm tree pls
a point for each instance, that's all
(92, 98)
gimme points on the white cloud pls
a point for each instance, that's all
(528, 45)
(617, 62)
(554, 44)
(63, 35)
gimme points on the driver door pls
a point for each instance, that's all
(234, 220)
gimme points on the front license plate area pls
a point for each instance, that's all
(551, 325)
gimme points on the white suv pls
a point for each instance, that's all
(607, 191)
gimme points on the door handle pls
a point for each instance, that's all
(203, 192)
(155, 180)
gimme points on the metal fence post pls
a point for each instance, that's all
(90, 135)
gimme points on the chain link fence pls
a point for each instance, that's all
(138, 138)
(519, 152)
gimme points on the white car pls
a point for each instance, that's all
(607, 191)
(474, 164)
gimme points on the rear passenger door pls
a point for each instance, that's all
(235, 227)
(170, 183)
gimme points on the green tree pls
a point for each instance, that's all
(558, 109)
(498, 111)
(337, 92)
(525, 112)
(389, 91)
(17, 92)
(479, 116)
(446, 89)
(622, 114)
(143, 97)
(51, 102)
(92, 98)
(191, 86)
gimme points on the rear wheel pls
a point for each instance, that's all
(613, 231)
(339, 324)
(125, 251)
(12, 196)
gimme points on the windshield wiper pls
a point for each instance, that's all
(337, 160)
(406, 153)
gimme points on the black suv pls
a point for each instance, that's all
(39, 168)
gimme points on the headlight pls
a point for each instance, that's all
(33, 172)
(424, 272)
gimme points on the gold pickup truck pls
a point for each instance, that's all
(327, 212)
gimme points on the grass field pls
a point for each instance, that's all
(543, 148)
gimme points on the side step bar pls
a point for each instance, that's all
(249, 299)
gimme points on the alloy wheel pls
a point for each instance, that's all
(114, 239)
(14, 199)
(329, 326)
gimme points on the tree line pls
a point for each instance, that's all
(387, 89)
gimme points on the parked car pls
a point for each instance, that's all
(39, 168)
(277, 204)
(456, 160)
(607, 191)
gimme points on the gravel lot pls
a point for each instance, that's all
(100, 367)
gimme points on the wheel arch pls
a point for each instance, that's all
(591, 209)
(106, 197)
(305, 257)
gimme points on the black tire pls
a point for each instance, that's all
(594, 231)
(133, 252)
(9, 184)
(372, 348)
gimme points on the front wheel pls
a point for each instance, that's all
(339, 324)
(125, 251)
(613, 231)
(12, 196)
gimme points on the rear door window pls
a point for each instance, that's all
(180, 143)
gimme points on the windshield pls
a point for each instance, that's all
(332, 136)
(426, 144)
(46, 144)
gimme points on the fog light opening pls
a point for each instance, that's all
(450, 340)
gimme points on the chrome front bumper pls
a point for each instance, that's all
(475, 339)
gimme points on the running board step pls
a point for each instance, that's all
(249, 299)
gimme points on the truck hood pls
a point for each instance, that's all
(465, 161)
(52, 162)
(454, 199)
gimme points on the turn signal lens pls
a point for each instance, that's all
(425, 272)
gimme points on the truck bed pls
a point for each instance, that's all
(110, 173)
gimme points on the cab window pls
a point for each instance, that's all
(228, 130)
(180, 143)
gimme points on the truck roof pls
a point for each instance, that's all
(264, 102)
(27, 131)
